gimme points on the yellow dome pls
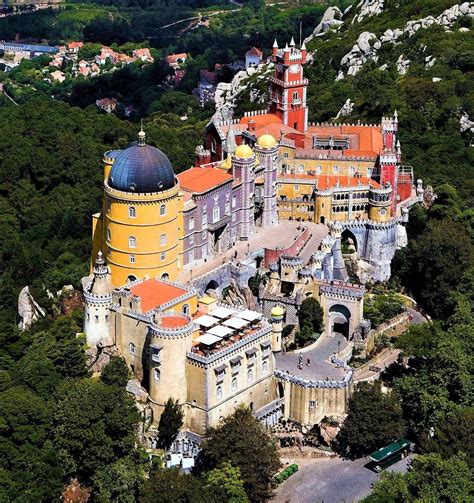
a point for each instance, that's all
(277, 311)
(243, 152)
(227, 163)
(266, 141)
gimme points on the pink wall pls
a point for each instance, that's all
(272, 256)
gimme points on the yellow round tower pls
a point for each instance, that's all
(142, 215)
(379, 203)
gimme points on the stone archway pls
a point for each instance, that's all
(212, 285)
(349, 241)
(280, 390)
(131, 278)
(339, 320)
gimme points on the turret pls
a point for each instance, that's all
(379, 203)
(243, 165)
(98, 300)
(267, 153)
(277, 317)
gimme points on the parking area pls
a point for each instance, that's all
(330, 480)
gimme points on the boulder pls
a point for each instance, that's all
(135, 388)
(368, 8)
(331, 17)
(346, 109)
(402, 65)
(465, 123)
(28, 309)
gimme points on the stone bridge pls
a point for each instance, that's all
(222, 276)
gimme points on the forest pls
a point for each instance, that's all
(50, 185)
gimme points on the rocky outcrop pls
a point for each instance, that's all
(346, 109)
(28, 309)
(368, 45)
(226, 93)
(402, 65)
(135, 388)
(238, 296)
(368, 8)
(332, 18)
(465, 123)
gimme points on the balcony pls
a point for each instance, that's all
(213, 226)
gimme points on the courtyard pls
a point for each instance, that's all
(330, 480)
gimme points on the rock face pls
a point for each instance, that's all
(402, 64)
(346, 109)
(135, 388)
(465, 123)
(28, 309)
(368, 8)
(239, 296)
(368, 45)
(226, 93)
(331, 18)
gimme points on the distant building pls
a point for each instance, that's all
(174, 60)
(143, 54)
(107, 104)
(73, 47)
(58, 76)
(253, 57)
(207, 87)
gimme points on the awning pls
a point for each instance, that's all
(220, 368)
(208, 339)
(206, 321)
(222, 312)
(249, 315)
(251, 351)
(236, 360)
(220, 331)
(236, 322)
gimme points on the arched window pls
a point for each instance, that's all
(163, 257)
(109, 234)
(132, 242)
(219, 392)
(165, 276)
(191, 223)
(265, 366)
(185, 309)
(132, 259)
(335, 169)
(204, 215)
(216, 214)
(163, 240)
(295, 95)
(250, 375)
(132, 348)
(227, 208)
(234, 201)
(234, 384)
(132, 212)
(156, 374)
(163, 209)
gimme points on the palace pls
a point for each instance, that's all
(269, 194)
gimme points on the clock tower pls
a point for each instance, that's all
(288, 86)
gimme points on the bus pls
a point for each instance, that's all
(390, 454)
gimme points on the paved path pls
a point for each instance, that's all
(332, 480)
(320, 366)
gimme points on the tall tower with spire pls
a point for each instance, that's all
(98, 300)
(288, 86)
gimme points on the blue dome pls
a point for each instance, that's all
(141, 168)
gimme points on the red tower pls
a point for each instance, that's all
(288, 86)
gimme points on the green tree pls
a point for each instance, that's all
(392, 487)
(95, 426)
(115, 373)
(432, 478)
(242, 441)
(310, 314)
(171, 486)
(374, 419)
(225, 484)
(170, 423)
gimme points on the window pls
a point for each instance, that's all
(204, 252)
(285, 154)
(191, 256)
(295, 95)
(156, 374)
(132, 259)
(318, 169)
(297, 187)
(265, 366)
(191, 223)
(312, 404)
(351, 170)
(191, 239)
(234, 201)
(216, 214)
(132, 348)
(227, 207)
(369, 172)
(219, 392)
(234, 384)
(163, 240)
(204, 215)
(163, 209)
(96, 318)
(335, 169)
(109, 234)
(132, 242)
(163, 256)
(250, 375)
(132, 212)
(88, 317)
(185, 309)
(155, 354)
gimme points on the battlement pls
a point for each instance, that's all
(341, 289)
